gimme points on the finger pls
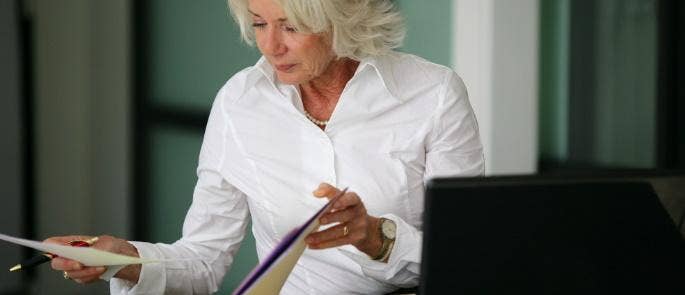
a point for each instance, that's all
(325, 190)
(87, 274)
(87, 280)
(66, 239)
(106, 243)
(347, 200)
(332, 233)
(339, 239)
(341, 216)
(59, 263)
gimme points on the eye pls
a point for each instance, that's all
(258, 25)
(289, 29)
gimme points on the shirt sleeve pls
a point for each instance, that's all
(403, 266)
(213, 229)
(453, 149)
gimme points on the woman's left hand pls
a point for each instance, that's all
(355, 227)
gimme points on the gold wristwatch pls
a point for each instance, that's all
(388, 231)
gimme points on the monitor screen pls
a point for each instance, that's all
(553, 235)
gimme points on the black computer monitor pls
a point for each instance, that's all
(558, 235)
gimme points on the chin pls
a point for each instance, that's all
(289, 79)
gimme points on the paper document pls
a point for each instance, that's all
(266, 278)
(84, 255)
(270, 275)
(88, 256)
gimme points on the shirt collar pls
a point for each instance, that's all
(382, 67)
(265, 69)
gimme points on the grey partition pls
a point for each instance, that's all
(11, 154)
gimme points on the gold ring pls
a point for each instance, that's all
(66, 275)
(345, 230)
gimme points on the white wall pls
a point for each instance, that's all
(82, 98)
(496, 53)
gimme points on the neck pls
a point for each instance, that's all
(330, 84)
(320, 95)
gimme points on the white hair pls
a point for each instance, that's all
(359, 28)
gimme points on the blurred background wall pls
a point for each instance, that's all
(81, 107)
(12, 172)
(104, 103)
(75, 113)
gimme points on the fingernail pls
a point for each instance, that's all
(100, 268)
(77, 266)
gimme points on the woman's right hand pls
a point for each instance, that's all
(87, 274)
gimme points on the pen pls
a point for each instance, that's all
(45, 257)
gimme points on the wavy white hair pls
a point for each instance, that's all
(359, 28)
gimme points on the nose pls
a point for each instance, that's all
(272, 42)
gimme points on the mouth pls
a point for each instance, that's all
(284, 67)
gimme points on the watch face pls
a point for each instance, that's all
(389, 229)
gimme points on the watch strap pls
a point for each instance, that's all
(386, 247)
(388, 251)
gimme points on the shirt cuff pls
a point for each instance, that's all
(406, 253)
(152, 278)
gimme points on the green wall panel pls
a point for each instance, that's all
(626, 46)
(429, 29)
(172, 179)
(554, 75)
(194, 48)
(598, 83)
(173, 162)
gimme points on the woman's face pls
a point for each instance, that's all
(296, 57)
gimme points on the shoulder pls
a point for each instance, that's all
(445, 78)
(238, 85)
(408, 72)
(413, 67)
(405, 74)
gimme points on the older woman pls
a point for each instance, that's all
(329, 105)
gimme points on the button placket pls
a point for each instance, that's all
(329, 156)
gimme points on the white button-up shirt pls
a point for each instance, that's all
(400, 121)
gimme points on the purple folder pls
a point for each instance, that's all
(248, 285)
